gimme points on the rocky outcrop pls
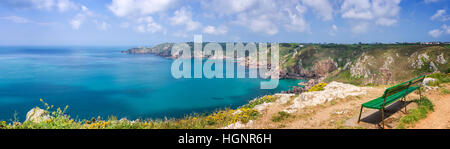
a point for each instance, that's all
(319, 69)
(334, 90)
(163, 50)
(441, 59)
(37, 115)
(360, 68)
(322, 68)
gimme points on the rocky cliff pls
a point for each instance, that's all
(360, 64)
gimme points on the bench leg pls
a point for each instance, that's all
(406, 104)
(360, 112)
(382, 117)
(420, 93)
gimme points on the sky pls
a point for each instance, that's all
(149, 22)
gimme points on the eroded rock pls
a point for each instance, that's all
(334, 90)
(37, 115)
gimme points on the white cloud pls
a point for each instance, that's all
(297, 22)
(334, 30)
(65, 5)
(102, 25)
(438, 32)
(265, 16)
(228, 6)
(124, 8)
(125, 24)
(183, 16)
(81, 17)
(334, 27)
(221, 30)
(261, 23)
(61, 5)
(431, 1)
(17, 19)
(446, 29)
(181, 34)
(386, 21)
(438, 14)
(148, 25)
(435, 33)
(368, 12)
(322, 7)
(360, 27)
(441, 15)
(357, 9)
(23, 20)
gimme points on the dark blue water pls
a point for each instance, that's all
(101, 81)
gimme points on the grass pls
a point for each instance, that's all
(346, 77)
(442, 78)
(445, 91)
(280, 116)
(434, 83)
(425, 106)
(265, 99)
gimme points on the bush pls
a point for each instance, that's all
(280, 116)
(443, 78)
(265, 99)
(445, 91)
(318, 87)
(434, 83)
(425, 106)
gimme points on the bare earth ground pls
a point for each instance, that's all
(440, 118)
(343, 113)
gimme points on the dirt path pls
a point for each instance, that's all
(328, 115)
(440, 118)
(334, 114)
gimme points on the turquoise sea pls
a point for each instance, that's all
(101, 81)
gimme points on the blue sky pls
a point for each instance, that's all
(148, 22)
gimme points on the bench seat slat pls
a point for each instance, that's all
(378, 102)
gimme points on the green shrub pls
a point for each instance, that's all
(445, 91)
(265, 99)
(280, 116)
(425, 106)
(318, 87)
(443, 78)
(434, 83)
(3, 124)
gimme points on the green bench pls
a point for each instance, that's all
(392, 94)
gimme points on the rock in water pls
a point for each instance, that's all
(37, 115)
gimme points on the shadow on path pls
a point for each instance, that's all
(374, 116)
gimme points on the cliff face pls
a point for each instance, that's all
(393, 64)
(357, 63)
(161, 50)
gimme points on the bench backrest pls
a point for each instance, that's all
(395, 89)
(403, 86)
(417, 81)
